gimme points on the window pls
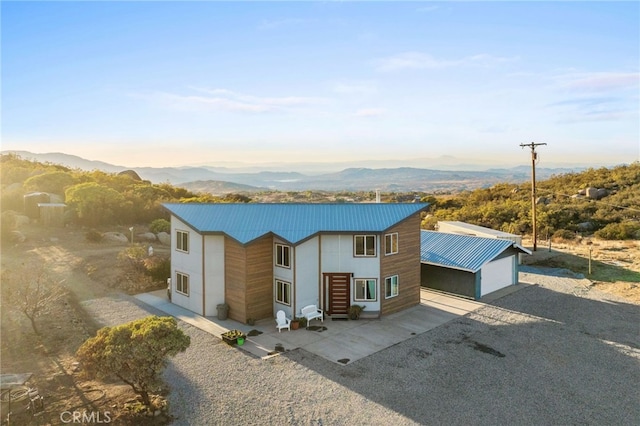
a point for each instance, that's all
(365, 245)
(365, 289)
(283, 256)
(283, 292)
(182, 283)
(391, 243)
(391, 286)
(182, 241)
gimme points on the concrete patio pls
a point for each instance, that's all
(340, 341)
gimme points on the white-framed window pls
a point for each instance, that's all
(365, 289)
(364, 245)
(283, 255)
(182, 240)
(283, 292)
(182, 283)
(391, 243)
(391, 286)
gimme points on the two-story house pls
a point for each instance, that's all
(261, 258)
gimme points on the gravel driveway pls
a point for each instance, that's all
(555, 352)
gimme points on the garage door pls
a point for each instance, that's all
(496, 275)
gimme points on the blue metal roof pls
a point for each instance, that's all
(291, 222)
(464, 252)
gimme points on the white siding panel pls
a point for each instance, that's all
(214, 273)
(307, 274)
(337, 256)
(187, 263)
(496, 275)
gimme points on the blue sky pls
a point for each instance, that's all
(177, 83)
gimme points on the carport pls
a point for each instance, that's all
(466, 265)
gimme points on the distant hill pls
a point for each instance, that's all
(220, 180)
(216, 187)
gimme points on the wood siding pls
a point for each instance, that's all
(259, 288)
(235, 277)
(249, 279)
(405, 264)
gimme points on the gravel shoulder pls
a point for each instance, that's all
(556, 352)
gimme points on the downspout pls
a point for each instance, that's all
(320, 276)
(478, 284)
(295, 280)
(204, 312)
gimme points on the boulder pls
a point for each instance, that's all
(542, 200)
(116, 236)
(592, 193)
(585, 226)
(601, 193)
(146, 236)
(164, 238)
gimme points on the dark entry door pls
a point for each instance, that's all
(337, 291)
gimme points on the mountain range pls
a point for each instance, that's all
(222, 180)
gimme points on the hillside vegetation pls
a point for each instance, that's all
(562, 207)
(97, 198)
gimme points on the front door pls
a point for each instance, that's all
(337, 292)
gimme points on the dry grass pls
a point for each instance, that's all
(612, 266)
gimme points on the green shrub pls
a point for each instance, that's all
(160, 225)
(158, 267)
(563, 234)
(618, 231)
(93, 236)
(133, 256)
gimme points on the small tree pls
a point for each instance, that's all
(160, 225)
(135, 352)
(31, 291)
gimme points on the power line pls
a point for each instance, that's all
(534, 157)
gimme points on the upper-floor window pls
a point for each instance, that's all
(283, 256)
(391, 243)
(364, 245)
(365, 289)
(182, 240)
(182, 283)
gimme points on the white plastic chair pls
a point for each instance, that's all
(282, 321)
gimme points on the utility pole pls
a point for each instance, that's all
(534, 157)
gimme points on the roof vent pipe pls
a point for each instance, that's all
(377, 196)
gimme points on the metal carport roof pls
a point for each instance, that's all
(464, 252)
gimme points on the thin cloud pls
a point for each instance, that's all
(597, 96)
(227, 100)
(419, 60)
(596, 116)
(600, 81)
(589, 109)
(584, 102)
